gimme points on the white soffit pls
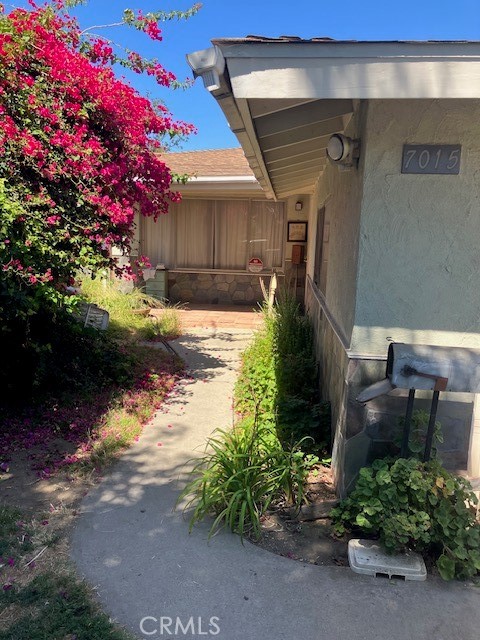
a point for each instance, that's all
(292, 140)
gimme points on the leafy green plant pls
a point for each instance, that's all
(239, 476)
(418, 434)
(409, 504)
(57, 354)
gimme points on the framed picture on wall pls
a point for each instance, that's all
(297, 231)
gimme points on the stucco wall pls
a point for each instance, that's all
(341, 194)
(418, 278)
(418, 256)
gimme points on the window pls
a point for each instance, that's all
(321, 250)
(266, 233)
(217, 234)
(231, 234)
(194, 234)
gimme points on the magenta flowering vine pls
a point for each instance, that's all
(78, 148)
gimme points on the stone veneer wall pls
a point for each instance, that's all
(216, 288)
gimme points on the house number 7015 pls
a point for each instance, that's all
(431, 158)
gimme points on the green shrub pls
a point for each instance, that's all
(241, 473)
(256, 388)
(409, 504)
(56, 354)
(279, 378)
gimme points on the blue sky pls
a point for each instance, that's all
(367, 20)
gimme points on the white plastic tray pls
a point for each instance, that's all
(369, 557)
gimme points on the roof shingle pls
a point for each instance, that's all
(211, 162)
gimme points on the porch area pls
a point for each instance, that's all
(217, 316)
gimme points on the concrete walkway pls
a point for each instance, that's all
(138, 554)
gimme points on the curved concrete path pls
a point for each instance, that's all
(145, 566)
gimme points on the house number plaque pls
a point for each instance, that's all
(431, 158)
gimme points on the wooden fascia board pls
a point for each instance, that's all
(244, 111)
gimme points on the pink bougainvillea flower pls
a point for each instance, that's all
(80, 147)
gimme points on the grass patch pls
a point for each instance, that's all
(59, 607)
(164, 324)
(279, 379)
(44, 600)
(129, 310)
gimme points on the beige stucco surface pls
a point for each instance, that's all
(419, 265)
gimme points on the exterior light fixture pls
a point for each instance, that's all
(342, 150)
(298, 206)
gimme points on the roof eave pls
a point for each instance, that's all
(245, 70)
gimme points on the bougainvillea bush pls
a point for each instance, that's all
(78, 155)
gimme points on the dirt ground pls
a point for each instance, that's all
(306, 535)
(21, 487)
